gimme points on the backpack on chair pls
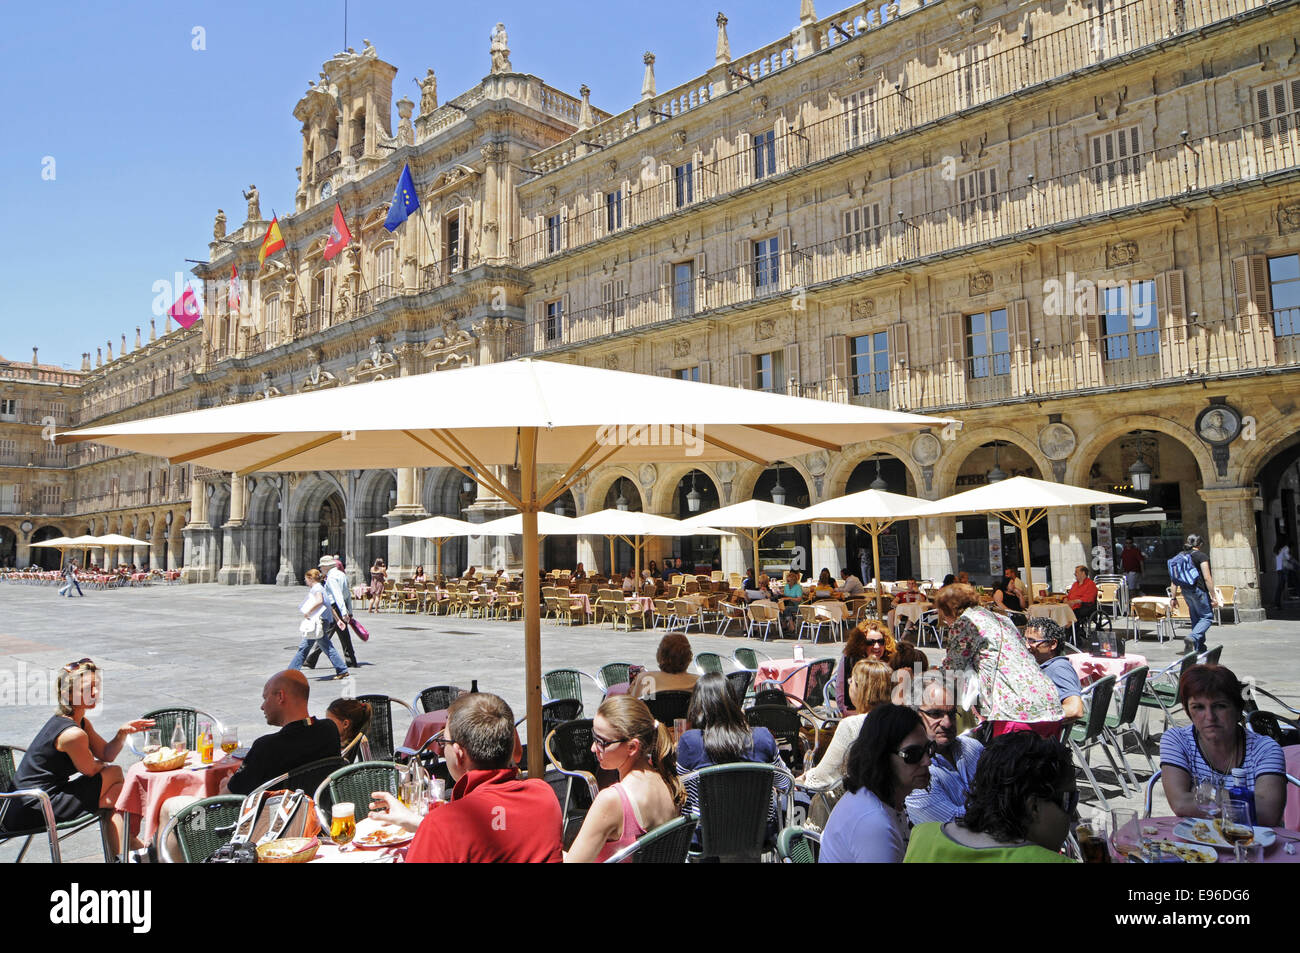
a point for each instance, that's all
(266, 816)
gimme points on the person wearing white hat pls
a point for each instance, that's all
(338, 603)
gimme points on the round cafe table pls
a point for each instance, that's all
(911, 611)
(423, 727)
(1058, 612)
(143, 792)
(777, 670)
(1276, 854)
(1090, 668)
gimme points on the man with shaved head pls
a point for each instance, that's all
(301, 739)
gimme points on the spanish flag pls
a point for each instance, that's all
(272, 243)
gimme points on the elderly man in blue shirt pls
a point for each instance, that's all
(952, 767)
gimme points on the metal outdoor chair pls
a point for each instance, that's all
(810, 618)
(1121, 726)
(763, 618)
(771, 696)
(734, 802)
(56, 831)
(666, 844)
(568, 748)
(165, 720)
(738, 683)
(613, 673)
(200, 828)
(355, 783)
(708, 662)
(1150, 794)
(1092, 733)
(748, 658)
(307, 777)
(798, 845)
(784, 723)
(436, 698)
(557, 712)
(565, 683)
(731, 612)
(380, 729)
(1160, 693)
(667, 707)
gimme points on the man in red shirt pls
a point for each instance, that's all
(1082, 596)
(493, 816)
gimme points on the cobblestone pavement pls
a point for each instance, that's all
(212, 647)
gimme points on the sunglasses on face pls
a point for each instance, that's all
(913, 754)
(603, 743)
(875, 641)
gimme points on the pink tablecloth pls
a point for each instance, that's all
(423, 727)
(1291, 813)
(1275, 854)
(143, 792)
(1090, 668)
(778, 669)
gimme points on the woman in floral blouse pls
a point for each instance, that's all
(1013, 691)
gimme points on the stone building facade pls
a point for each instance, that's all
(1073, 227)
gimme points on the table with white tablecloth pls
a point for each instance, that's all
(1058, 612)
(911, 611)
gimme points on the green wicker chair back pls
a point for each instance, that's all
(734, 801)
(205, 825)
(615, 673)
(795, 845)
(165, 720)
(380, 729)
(747, 658)
(438, 697)
(666, 844)
(710, 662)
(355, 783)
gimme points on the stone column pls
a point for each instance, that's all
(937, 545)
(1070, 533)
(198, 536)
(1230, 519)
(285, 575)
(236, 570)
(404, 554)
(827, 545)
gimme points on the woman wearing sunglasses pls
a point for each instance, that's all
(68, 745)
(626, 738)
(1019, 809)
(870, 640)
(890, 759)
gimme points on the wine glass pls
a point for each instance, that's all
(1207, 799)
(229, 740)
(152, 740)
(1124, 835)
(1236, 827)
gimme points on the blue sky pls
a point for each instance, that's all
(149, 137)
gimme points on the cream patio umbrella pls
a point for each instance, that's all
(752, 519)
(634, 527)
(1021, 501)
(437, 528)
(523, 413)
(63, 544)
(873, 512)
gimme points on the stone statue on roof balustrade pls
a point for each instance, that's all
(500, 50)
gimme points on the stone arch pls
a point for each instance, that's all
(8, 547)
(264, 520)
(376, 497)
(949, 465)
(836, 480)
(1090, 447)
(43, 556)
(305, 504)
(441, 495)
(593, 497)
(1268, 443)
(748, 475)
(664, 494)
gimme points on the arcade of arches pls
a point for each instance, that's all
(1243, 505)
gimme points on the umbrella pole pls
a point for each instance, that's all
(874, 529)
(754, 539)
(611, 556)
(532, 600)
(1029, 563)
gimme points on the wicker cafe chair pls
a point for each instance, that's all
(56, 831)
(165, 721)
(436, 698)
(738, 683)
(380, 729)
(355, 783)
(666, 844)
(708, 662)
(798, 845)
(200, 828)
(565, 683)
(748, 658)
(613, 673)
(568, 748)
(667, 707)
(734, 803)
(784, 723)
(557, 712)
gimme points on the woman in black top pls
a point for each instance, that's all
(68, 744)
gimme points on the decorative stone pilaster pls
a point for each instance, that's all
(1070, 533)
(1230, 519)
(936, 544)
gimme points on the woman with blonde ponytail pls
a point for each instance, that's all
(627, 739)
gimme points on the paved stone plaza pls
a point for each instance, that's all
(212, 647)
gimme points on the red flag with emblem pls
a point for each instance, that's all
(339, 234)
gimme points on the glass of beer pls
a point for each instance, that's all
(1092, 841)
(1235, 827)
(229, 740)
(343, 824)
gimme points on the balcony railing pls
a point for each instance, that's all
(883, 113)
(1179, 172)
(328, 164)
(1237, 346)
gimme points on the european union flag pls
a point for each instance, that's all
(404, 200)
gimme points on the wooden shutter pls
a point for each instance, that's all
(743, 286)
(1254, 306)
(564, 317)
(953, 347)
(900, 389)
(745, 156)
(786, 258)
(701, 286)
(791, 370)
(462, 259)
(1171, 316)
(706, 373)
(742, 371)
(837, 368)
(1022, 355)
(1088, 363)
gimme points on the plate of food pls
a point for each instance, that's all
(1210, 833)
(373, 835)
(1187, 853)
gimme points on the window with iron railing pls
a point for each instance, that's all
(554, 319)
(1129, 326)
(859, 111)
(767, 264)
(988, 344)
(977, 193)
(1284, 292)
(683, 289)
(613, 210)
(862, 228)
(1276, 106)
(1115, 155)
(764, 154)
(972, 76)
(384, 258)
(869, 363)
(554, 233)
(767, 372)
(684, 184)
